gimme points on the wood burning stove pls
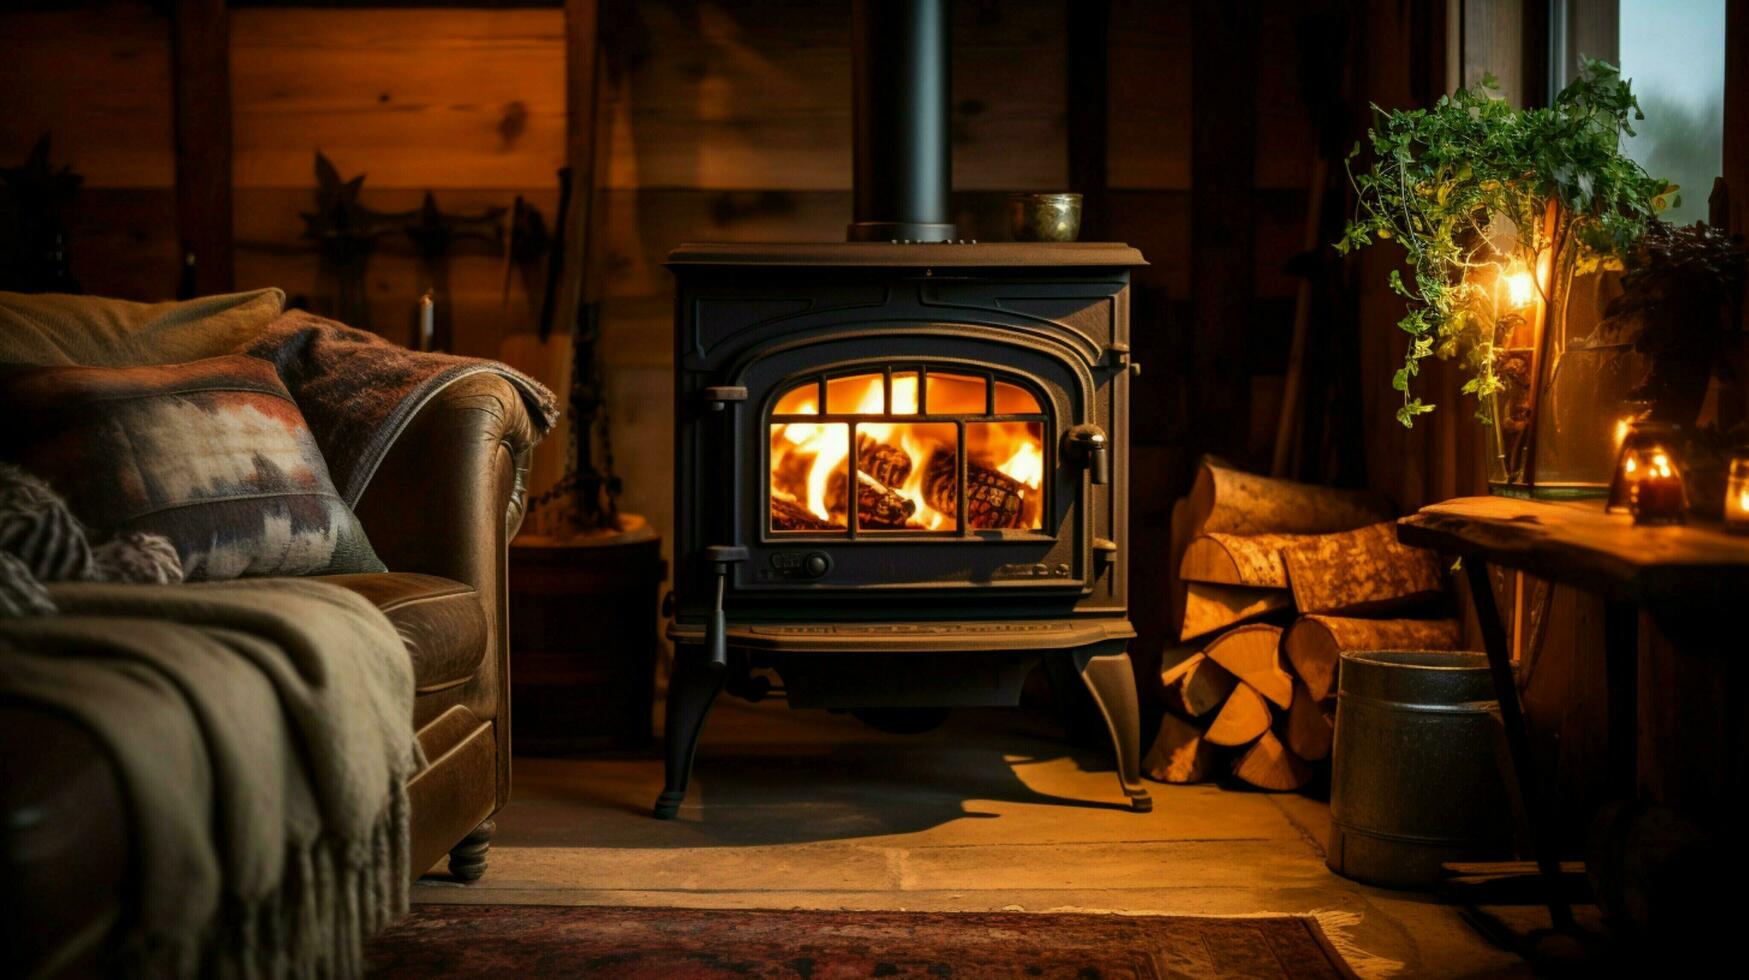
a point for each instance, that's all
(976, 397)
(901, 466)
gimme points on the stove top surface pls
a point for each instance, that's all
(921, 255)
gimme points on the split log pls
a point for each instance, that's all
(1209, 607)
(788, 515)
(1244, 717)
(994, 500)
(1253, 654)
(1315, 644)
(1237, 559)
(1364, 570)
(1197, 685)
(877, 505)
(1177, 540)
(1179, 754)
(1269, 765)
(1232, 501)
(1309, 726)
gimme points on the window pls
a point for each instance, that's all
(1674, 52)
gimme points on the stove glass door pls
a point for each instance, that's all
(937, 453)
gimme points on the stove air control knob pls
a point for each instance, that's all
(816, 565)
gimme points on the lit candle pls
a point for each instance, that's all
(1654, 486)
(1737, 496)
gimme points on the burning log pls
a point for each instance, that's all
(877, 505)
(889, 465)
(790, 474)
(788, 515)
(994, 500)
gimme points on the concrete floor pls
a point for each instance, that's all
(808, 809)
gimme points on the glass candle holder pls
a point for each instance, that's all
(1655, 495)
(1737, 495)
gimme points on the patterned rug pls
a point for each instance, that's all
(683, 944)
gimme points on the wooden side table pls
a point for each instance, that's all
(1661, 568)
(583, 626)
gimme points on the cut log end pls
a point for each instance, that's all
(1253, 654)
(1197, 685)
(1179, 753)
(1268, 764)
(1243, 718)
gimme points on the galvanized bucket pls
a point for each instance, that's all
(1415, 779)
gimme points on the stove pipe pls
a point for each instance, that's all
(901, 83)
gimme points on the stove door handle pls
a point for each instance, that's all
(716, 629)
(1088, 445)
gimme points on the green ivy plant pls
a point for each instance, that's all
(1474, 184)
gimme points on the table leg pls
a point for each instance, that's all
(1621, 656)
(1542, 839)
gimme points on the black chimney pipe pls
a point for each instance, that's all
(901, 87)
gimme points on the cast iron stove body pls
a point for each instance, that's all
(976, 397)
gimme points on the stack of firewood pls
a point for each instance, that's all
(1275, 581)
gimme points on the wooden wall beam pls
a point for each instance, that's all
(1088, 101)
(201, 80)
(1223, 138)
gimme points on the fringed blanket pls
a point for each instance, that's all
(261, 730)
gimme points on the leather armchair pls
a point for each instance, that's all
(440, 512)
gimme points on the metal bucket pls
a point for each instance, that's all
(1415, 779)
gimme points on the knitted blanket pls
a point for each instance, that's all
(261, 731)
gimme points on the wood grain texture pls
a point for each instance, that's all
(1179, 754)
(1225, 499)
(746, 95)
(1268, 764)
(1253, 654)
(1577, 543)
(1211, 607)
(203, 141)
(1196, 685)
(1364, 570)
(1150, 136)
(1309, 725)
(1314, 644)
(99, 80)
(1237, 559)
(414, 98)
(1243, 718)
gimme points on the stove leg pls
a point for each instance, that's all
(1113, 684)
(691, 690)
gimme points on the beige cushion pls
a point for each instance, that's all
(61, 330)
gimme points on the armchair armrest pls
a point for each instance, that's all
(445, 501)
(450, 493)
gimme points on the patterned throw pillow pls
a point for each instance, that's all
(213, 455)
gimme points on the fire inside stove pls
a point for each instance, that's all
(936, 452)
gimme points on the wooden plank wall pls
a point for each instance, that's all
(726, 120)
(97, 78)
